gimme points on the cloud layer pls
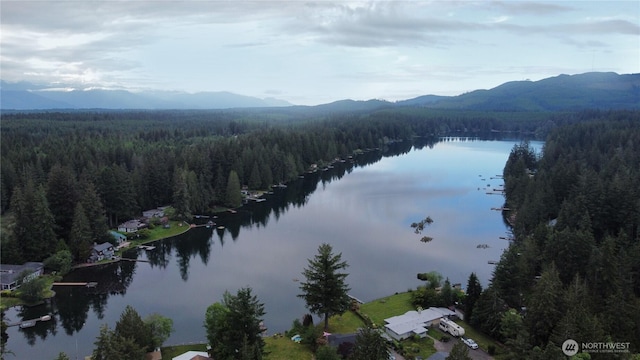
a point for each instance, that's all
(313, 52)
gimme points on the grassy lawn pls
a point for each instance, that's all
(157, 233)
(386, 307)
(423, 347)
(346, 323)
(282, 348)
(276, 348)
(8, 302)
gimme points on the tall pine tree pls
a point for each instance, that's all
(234, 197)
(80, 235)
(62, 196)
(325, 290)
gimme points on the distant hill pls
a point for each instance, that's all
(563, 92)
(25, 100)
(22, 96)
(596, 90)
(353, 106)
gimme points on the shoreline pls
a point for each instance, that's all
(129, 247)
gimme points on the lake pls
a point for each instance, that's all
(362, 208)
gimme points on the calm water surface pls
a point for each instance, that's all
(363, 211)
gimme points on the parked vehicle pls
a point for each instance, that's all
(470, 343)
(450, 327)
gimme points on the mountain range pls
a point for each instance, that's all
(595, 90)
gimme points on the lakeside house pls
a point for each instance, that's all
(100, 252)
(157, 212)
(415, 322)
(131, 226)
(12, 276)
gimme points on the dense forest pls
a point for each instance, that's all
(572, 270)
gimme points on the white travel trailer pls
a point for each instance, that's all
(451, 327)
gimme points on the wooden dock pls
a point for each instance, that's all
(130, 259)
(70, 283)
(356, 299)
(86, 284)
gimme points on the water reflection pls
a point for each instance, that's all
(269, 260)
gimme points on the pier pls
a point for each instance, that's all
(86, 284)
(130, 259)
(356, 299)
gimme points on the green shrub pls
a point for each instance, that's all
(32, 291)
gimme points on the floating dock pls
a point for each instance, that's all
(87, 284)
(130, 259)
(30, 323)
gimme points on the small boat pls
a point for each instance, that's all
(27, 324)
(220, 227)
(45, 318)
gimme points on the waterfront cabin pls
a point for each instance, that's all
(414, 322)
(100, 252)
(157, 212)
(12, 276)
(131, 226)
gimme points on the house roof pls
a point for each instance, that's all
(9, 273)
(414, 320)
(102, 247)
(191, 355)
(131, 224)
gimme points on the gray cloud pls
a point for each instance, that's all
(121, 43)
(529, 7)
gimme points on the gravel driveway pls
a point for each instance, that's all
(477, 354)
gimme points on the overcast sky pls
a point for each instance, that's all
(311, 52)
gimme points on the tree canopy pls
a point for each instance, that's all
(234, 326)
